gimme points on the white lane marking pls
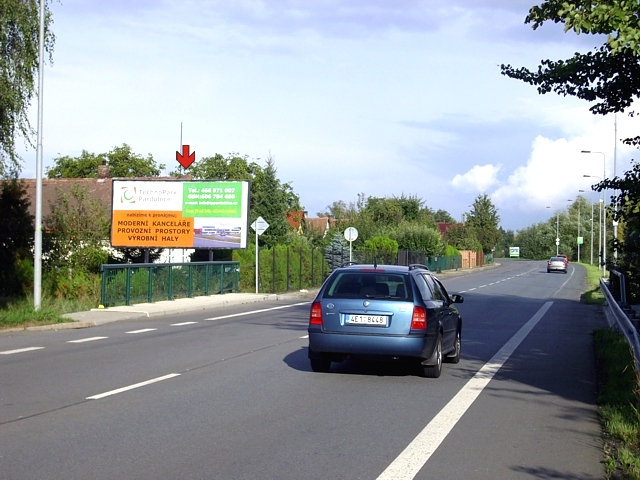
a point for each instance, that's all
(305, 336)
(20, 350)
(90, 339)
(257, 311)
(144, 330)
(407, 465)
(131, 387)
(183, 323)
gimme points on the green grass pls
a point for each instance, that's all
(593, 295)
(618, 395)
(618, 400)
(20, 313)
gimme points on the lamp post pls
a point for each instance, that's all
(557, 232)
(604, 219)
(599, 223)
(591, 261)
(577, 242)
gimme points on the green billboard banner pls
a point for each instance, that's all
(212, 199)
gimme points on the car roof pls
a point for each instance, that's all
(383, 268)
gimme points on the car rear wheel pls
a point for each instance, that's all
(434, 371)
(454, 357)
(320, 365)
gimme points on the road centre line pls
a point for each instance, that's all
(20, 350)
(144, 330)
(131, 387)
(410, 461)
(183, 323)
(257, 311)
(90, 339)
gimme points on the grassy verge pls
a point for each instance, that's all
(19, 313)
(594, 294)
(619, 403)
(618, 394)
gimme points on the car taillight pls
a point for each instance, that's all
(419, 318)
(316, 314)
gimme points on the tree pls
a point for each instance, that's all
(122, 162)
(76, 231)
(272, 201)
(507, 238)
(443, 216)
(19, 62)
(233, 167)
(484, 219)
(610, 75)
(463, 237)
(618, 19)
(337, 252)
(418, 237)
(628, 211)
(381, 250)
(16, 239)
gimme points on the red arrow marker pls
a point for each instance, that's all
(185, 159)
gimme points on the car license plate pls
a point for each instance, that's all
(375, 320)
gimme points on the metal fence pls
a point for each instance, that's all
(147, 282)
(619, 319)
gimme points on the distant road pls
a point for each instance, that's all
(229, 394)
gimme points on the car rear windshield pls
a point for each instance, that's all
(369, 285)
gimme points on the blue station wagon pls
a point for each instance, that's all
(384, 312)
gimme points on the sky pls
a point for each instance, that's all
(384, 98)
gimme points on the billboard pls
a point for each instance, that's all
(179, 214)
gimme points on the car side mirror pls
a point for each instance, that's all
(455, 298)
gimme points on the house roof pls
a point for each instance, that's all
(443, 227)
(99, 188)
(319, 225)
(295, 218)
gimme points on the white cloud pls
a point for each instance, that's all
(478, 179)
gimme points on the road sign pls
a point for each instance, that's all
(351, 234)
(260, 225)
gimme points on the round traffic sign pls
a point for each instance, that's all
(350, 234)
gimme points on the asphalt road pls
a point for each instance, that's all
(228, 394)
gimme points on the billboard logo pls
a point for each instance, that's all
(128, 194)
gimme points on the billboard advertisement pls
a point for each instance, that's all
(179, 214)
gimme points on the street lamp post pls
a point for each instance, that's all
(557, 232)
(599, 223)
(577, 241)
(591, 261)
(604, 207)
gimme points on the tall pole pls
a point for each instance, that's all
(600, 201)
(604, 220)
(37, 241)
(591, 233)
(578, 238)
(591, 261)
(615, 152)
(557, 233)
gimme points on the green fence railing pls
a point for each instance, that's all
(147, 282)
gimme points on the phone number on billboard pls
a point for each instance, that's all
(211, 196)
